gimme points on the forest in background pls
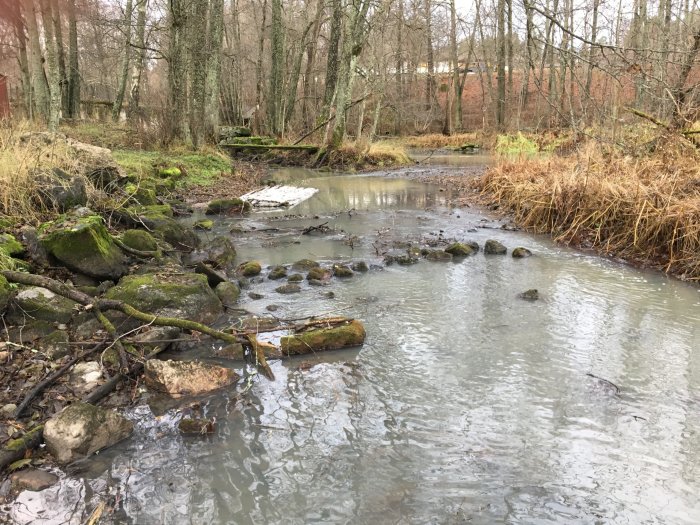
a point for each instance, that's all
(181, 68)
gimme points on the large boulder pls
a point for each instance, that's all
(180, 378)
(61, 189)
(187, 296)
(159, 219)
(219, 253)
(33, 302)
(97, 165)
(493, 247)
(85, 246)
(82, 429)
(228, 293)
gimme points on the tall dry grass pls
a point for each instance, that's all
(645, 209)
(21, 162)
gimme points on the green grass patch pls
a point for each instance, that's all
(515, 144)
(199, 169)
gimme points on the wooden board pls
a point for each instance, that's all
(278, 196)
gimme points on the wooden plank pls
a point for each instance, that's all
(278, 196)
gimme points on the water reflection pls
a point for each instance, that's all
(466, 404)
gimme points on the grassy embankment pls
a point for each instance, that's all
(632, 203)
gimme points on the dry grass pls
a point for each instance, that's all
(645, 209)
(438, 140)
(360, 155)
(20, 162)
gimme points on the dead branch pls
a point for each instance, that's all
(17, 448)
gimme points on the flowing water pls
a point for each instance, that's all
(466, 403)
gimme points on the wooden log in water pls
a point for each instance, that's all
(299, 147)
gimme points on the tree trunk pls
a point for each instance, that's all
(274, 105)
(258, 68)
(430, 78)
(306, 112)
(197, 67)
(456, 84)
(177, 71)
(332, 58)
(399, 70)
(52, 66)
(73, 65)
(501, 66)
(58, 32)
(126, 56)
(22, 58)
(138, 62)
(40, 87)
(213, 81)
(591, 56)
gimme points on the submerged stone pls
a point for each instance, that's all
(32, 479)
(340, 270)
(438, 256)
(318, 274)
(360, 266)
(249, 268)
(180, 378)
(195, 426)
(460, 249)
(305, 265)
(288, 288)
(295, 278)
(403, 259)
(493, 247)
(278, 272)
(204, 224)
(84, 246)
(530, 295)
(520, 252)
(82, 429)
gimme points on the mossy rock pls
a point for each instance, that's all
(360, 266)
(159, 219)
(5, 294)
(342, 271)
(288, 288)
(227, 207)
(55, 345)
(187, 296)
(305, 265)
(85, 246)
(493, 247)
(403, 259)
(318, 274)
(249, 269)
(228, 293)
(37, 303)
(170, 173)
(460, 249)
(295, 278)
(9, 245)
(204, 224)
(142, 195)
(350, 334)
(438, 256)
(278, 272)
(139, 240)
(530, 295)
(219, 253)
(521, 253)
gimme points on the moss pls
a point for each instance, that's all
(9, 245)
(249, 268)
(228, 293)
(20, 443)
(278, 272)
(493, 247)
(227, 206)
(515, 144)
(5, 293)
(154, 210)
(460, 249)
(317, 274)
(139, 240)
(204, 224)
(159, 220)
(340, 270)
(170, 173)
(140, 194)
(350, 334)
(84, 246)
(305, 264)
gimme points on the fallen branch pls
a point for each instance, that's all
(320, 228)
(110, 304)
(17, 448)
(52, 379)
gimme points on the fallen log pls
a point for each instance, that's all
(16, 449)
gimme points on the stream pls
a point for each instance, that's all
(466, 403)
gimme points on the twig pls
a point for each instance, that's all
(52, 379)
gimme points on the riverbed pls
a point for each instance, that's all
(466, 403)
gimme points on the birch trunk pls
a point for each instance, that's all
(126, 56)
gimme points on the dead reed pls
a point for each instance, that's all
(645, 209)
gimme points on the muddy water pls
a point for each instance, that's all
(466, 404)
